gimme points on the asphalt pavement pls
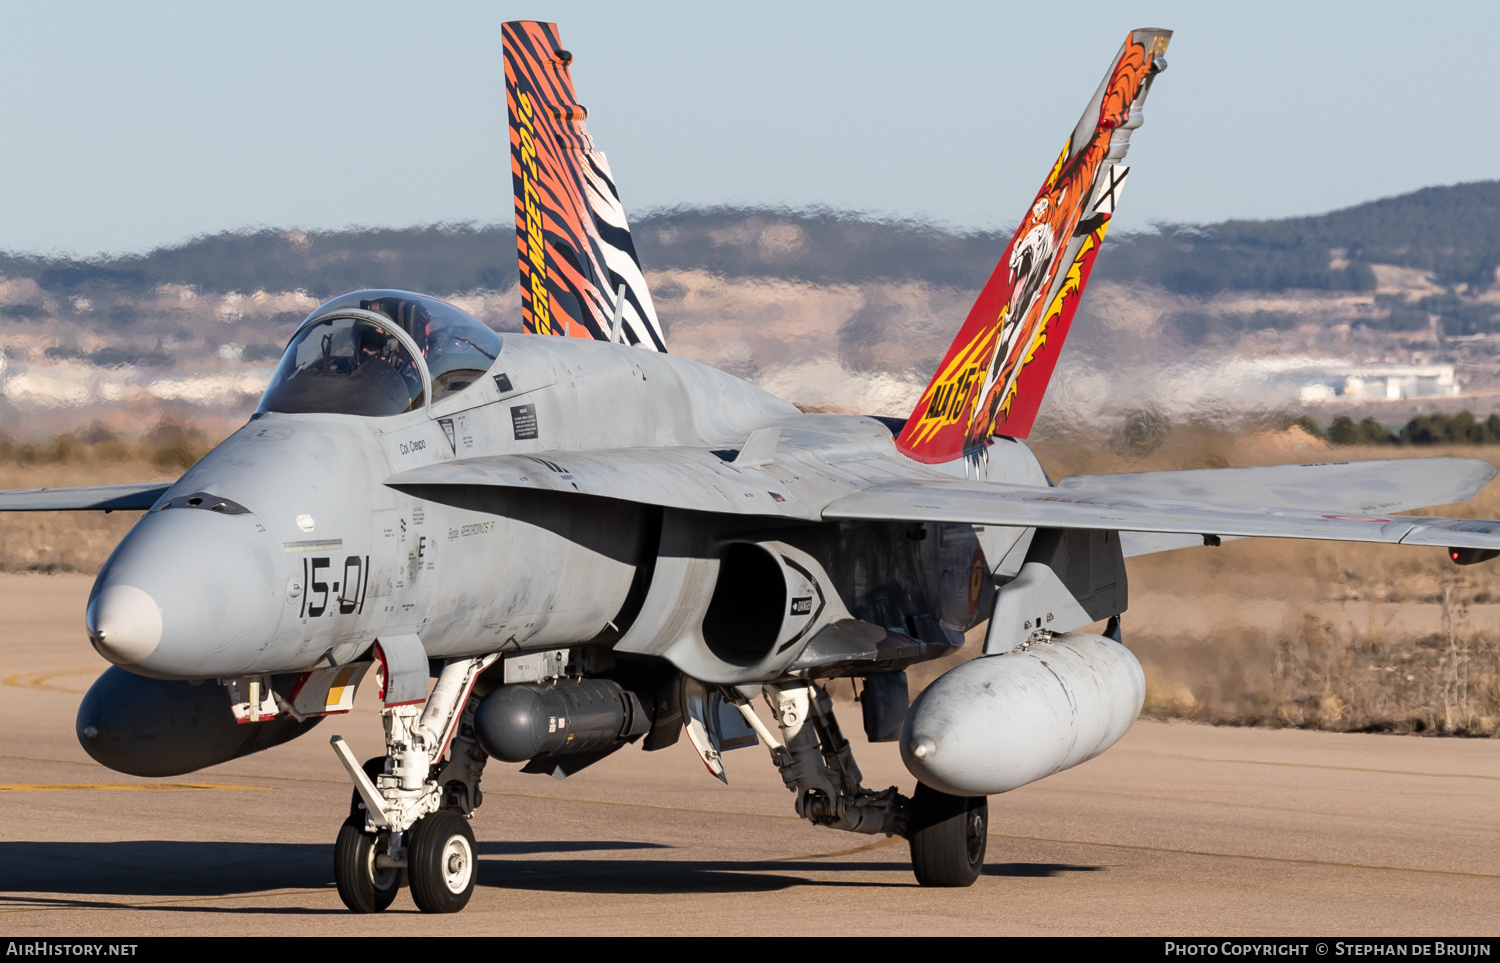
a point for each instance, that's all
(1178, 830)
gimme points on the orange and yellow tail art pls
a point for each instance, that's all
(580, 276)
(993, 377)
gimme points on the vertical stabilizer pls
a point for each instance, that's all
(993, 377)
(571, 236)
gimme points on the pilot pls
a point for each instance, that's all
(411, 316)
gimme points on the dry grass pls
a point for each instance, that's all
(1327, 635)
(81, 541)
(1312, 674)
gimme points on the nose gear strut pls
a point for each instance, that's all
(416, 810)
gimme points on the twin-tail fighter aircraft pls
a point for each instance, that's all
(589, 542)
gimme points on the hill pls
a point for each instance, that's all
(828, 308)
(1452, 232)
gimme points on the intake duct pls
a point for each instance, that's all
(518, 723)
(749, 605)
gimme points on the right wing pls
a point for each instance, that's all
(1391, 485)
(980, 503)
(107, 498)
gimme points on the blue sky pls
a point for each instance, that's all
(128, 126)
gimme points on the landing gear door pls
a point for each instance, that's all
(713, 726)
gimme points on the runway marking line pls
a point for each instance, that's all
(868, 847)
(631, 805)
(1245, 856)
(120, 786)
(1310, 765)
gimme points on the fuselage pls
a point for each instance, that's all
(284, 549)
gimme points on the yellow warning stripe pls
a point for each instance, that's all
(119, 786)
(60, 904)
(42, 680)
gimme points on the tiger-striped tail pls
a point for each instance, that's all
(992, 380)
(573, 243)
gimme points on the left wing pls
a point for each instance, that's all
(979, 503)
(107, 498)
(697, 479)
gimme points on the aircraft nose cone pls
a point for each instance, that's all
(124, 624)
(188, 593)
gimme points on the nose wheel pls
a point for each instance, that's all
(948, 836)
(440, 862)
(363, 886)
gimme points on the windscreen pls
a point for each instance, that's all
(457, 348)
(346, 366)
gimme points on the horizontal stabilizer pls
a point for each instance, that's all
(107, 498)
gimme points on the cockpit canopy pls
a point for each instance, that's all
(354, 355)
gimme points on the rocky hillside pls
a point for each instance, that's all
(829, 309)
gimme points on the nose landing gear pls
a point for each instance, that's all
(363, 886)
(408, 820)
(440, 862)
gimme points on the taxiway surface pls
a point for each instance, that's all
(1178, 830)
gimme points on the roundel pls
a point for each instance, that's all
(976, 579)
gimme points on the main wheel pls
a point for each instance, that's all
(440, 862)
(947, 835)
(363, 887)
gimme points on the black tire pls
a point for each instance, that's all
(948, 836)
(440, 862)
(362, 887)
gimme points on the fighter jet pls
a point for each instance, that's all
(548, 546)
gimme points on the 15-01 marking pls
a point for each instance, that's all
(346, 606)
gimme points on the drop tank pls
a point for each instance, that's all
(1000, 722)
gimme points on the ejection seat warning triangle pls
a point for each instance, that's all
(523, 421)
(447, 424)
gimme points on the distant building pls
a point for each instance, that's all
(1332, 381)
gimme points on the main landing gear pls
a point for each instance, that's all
(947, 836)
(409, 820)
(947, 833)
